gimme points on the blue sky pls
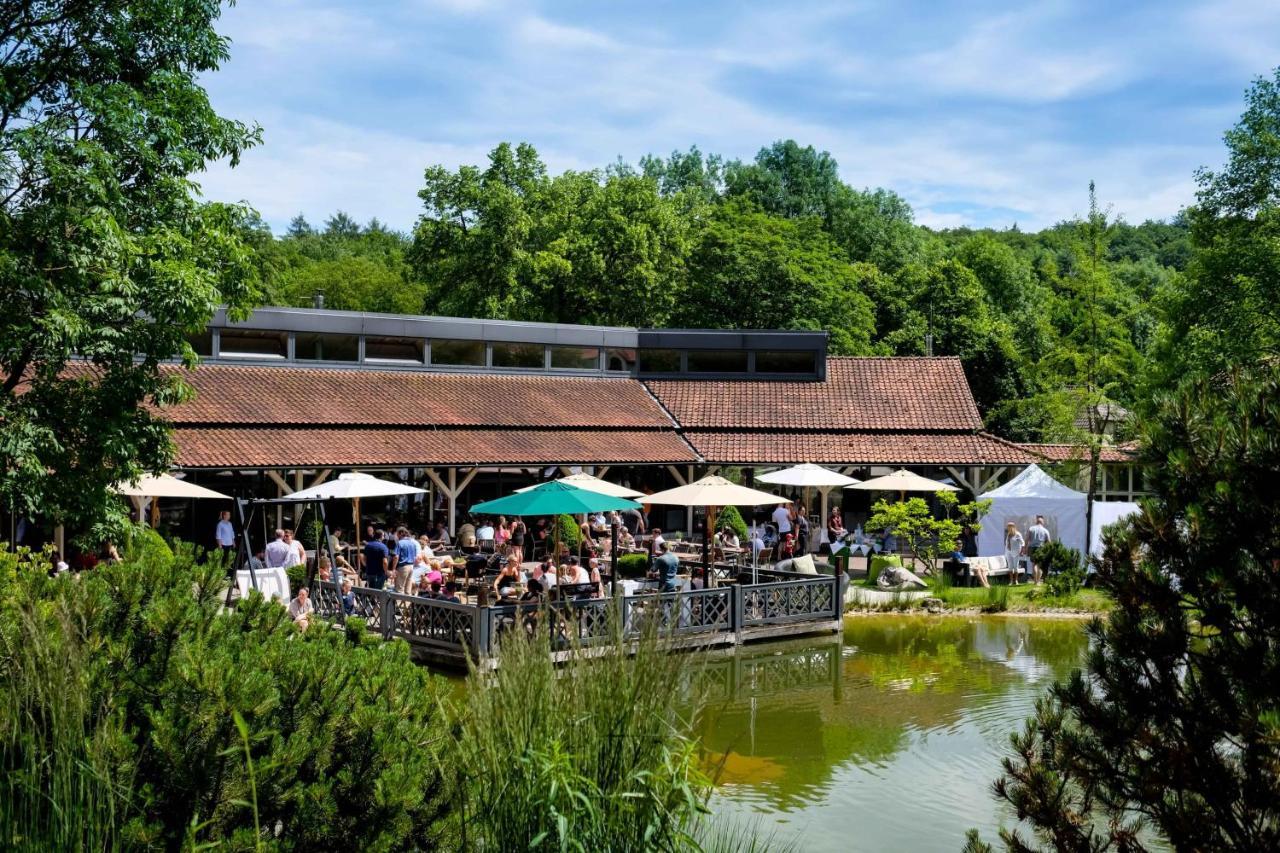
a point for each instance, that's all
(978, 113)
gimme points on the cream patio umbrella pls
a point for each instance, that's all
(353, 486)
(711, 492)
(903, 481)
(807, 475)
(164, 486)
(593, 484)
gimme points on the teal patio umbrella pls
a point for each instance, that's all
(553, 498)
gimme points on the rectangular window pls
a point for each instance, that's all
(785, 362)
(245, 343)
(394, 350)
(717, 361)
(309, 346)
(518, 355)
(575, 358)
(620, 360)
(202, 342)
(461, 353)
(659, 361)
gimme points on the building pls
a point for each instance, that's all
(474, 408)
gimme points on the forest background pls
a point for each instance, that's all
(1045, 323)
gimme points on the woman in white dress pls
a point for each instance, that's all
(1014, 547)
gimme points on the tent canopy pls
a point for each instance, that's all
(1032, 493)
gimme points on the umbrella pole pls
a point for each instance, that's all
(613, 550)
(334, 571)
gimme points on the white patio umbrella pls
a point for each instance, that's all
(710, 492)
(807, 475)
(903, 481)
(353, 486)
(164, 486)
(594, 484)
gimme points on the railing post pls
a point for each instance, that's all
(735, 608)
(388, 615)
(480, 639)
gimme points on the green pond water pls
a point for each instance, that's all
(887, 738)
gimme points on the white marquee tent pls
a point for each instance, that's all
(1105, 513)
(1032, 493)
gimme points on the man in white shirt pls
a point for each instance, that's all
(224, 534)
(485, 532)
(782, 520)
(278, 552)
(297, 551)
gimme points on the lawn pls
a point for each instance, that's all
(1023, 598)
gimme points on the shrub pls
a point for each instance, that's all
(118, 705)
(997, 599)
(1065, 583)
(633, 565)
(570, 532)
(730, 517)
(1054, 558)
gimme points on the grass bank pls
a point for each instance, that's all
(1001, 598)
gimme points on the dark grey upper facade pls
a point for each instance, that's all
(316, 336)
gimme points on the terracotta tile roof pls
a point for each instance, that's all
(223, 447)
(859, 394)
(234, 394)
(1080, 453)
(857, 448)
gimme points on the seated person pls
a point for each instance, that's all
(835, 527)
(532, 592)
(545, 573)
(726, 538)
(300, 609)
(451, 593)
(440, 536)
(593, 576)
(573, 573)
(429, 588)
(485, 532)
(467, 538)
(509, 577)
(655, 540)
(625, 539)
(348, 597)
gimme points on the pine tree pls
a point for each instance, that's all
(1174, 726)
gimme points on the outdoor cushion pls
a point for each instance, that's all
(803, 565)
(878, 563)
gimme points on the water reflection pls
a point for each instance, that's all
(887, 738)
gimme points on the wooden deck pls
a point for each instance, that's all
(781, 605)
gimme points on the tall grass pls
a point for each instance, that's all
(63, 779)
(595, 755)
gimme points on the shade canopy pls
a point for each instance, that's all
(807, 475)
(713, 491)
(903, 480)
(593, 484)
(554, 498)
(165, 486)
(354, 485)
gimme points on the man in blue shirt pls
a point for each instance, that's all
(373, 561)
(667, 566)
(406, 556)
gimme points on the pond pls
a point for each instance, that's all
(887, 738)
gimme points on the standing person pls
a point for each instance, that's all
(633, 519)
(1037, 537)
(667, 566)
(224, 534)
(802, 533)
(298, 557)
(782, 520)
(373, 563)
(501, 535)
(278, 551)
(516, 545)
(1014, 547)
(406, 555)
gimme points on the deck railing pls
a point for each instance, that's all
(722, 613)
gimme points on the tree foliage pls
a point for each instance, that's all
(107, 257)
(1175, 724)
